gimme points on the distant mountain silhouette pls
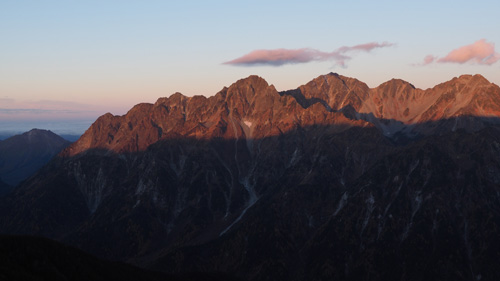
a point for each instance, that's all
(329, 181)
(68, 137)
(22, 155)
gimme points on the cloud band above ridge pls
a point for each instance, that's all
(279, 57)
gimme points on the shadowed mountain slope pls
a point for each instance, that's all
(22, 155)
(314, 183)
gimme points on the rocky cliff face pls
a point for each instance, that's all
(332, 180)
(396, 107)
(248, 109)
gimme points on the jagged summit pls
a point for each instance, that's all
(396, 83)
(251, 108)
(476, 78)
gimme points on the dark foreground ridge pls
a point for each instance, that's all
(306, 184)
(25, 258)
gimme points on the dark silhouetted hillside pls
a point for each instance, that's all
(22, 155)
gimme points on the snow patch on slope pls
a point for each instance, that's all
(248, 123)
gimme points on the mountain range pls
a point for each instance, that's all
(330, 181)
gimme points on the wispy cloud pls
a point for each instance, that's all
(279, 57)
(427, 60)
(479, 52)
(43, 104)
(15, 111)
(6, 100)
(11, 109)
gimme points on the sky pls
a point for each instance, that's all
(72, 61)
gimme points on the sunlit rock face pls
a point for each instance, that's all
(329, 181)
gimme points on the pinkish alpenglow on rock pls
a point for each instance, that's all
(328, 181)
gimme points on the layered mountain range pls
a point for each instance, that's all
(329, 181)
(252, 109)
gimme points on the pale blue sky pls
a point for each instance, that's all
(80, 59)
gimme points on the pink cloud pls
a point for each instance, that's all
(278, 57)
(429, 59)
(364, 47)
(480, 52)
(12, 109)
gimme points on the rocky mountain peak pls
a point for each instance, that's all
(174, 99)
(249, 86)
(467, 95)
(395, 84)
(38, 137)
(251, 108)
(476, 79)
(248, 96)
(335, 91)
(245, 90)
(37, 132)
(464, 81)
